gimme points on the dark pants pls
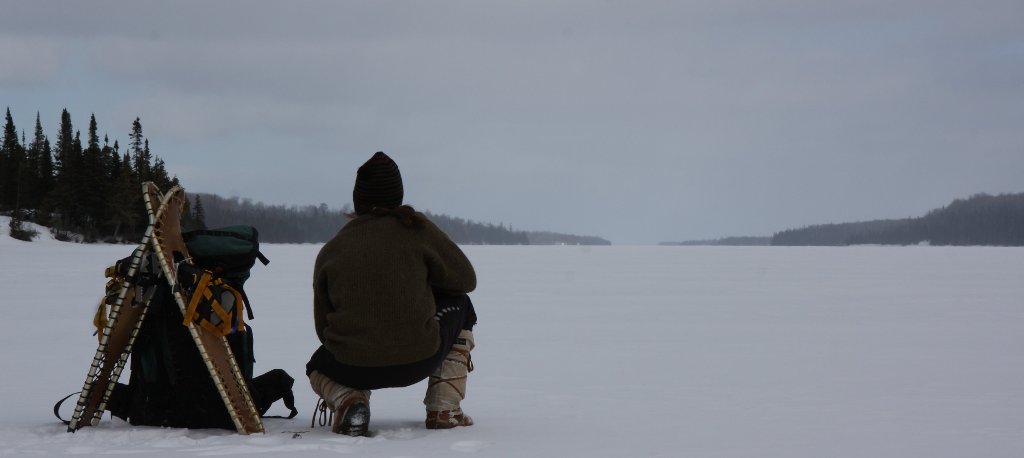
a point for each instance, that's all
(454, 313)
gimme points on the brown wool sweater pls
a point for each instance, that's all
(373, 302)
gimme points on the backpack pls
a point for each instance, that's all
(169, 383)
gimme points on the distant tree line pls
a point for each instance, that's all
(318, 223)
(981, 219)
(832, 234)
(555, 238)
(470, 232)
(88, 188)
(473, 233)
(275, 223)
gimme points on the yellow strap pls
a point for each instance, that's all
(100, 320)
(226, 320)
(204, 292)
(200, 290)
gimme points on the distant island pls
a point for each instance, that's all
(982, 219)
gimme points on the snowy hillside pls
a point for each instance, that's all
(602, 351)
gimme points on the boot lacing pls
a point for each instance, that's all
(324, 412)
(469, 368)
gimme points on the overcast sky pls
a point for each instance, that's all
(638, 121)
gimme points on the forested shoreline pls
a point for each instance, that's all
(981, 219)
(90, 191)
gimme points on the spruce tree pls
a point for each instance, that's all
(92, 188)
(138, 154)
(11, 163)
(66, 163)
(159, 173)
(45, 173)
(41, 165)
(63, 156)
(4, 170)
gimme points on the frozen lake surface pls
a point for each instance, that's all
(602, 351)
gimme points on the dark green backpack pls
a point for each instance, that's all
(169, 384)
(228, 251)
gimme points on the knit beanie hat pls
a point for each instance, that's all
(378, 184)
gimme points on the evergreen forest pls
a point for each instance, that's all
(83, 189)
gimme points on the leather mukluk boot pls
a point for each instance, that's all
(447, 386)
(351, 407)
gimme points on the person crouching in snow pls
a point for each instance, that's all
(390, 307)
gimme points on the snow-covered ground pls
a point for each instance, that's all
(603, 351)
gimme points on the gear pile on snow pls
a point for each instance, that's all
(179, 316)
